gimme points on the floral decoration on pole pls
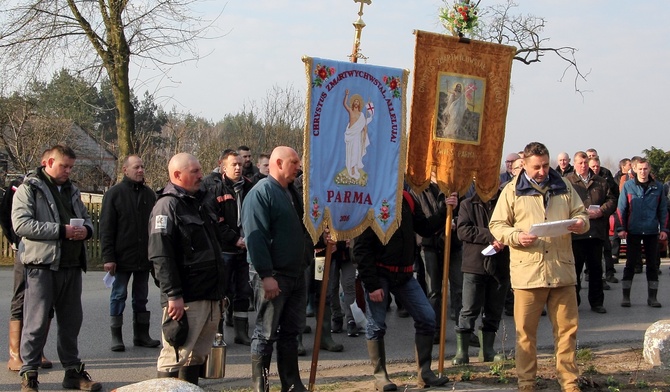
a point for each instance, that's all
(460, 18)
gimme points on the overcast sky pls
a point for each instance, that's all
(623, 44)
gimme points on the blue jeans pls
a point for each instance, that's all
(117, 299)
(411, 296)
(280, 319)
(482, 292)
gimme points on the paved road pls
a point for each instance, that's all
(137, 364)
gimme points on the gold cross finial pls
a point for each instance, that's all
(358, 26)
(363, 2)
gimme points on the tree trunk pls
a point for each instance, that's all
(117, 64)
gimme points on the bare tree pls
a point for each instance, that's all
(96, 36)
(498, 23)
(283, 116)
(25, 135)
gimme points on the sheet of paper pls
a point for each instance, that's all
(489, 251)
(108, 280)
(552, 229)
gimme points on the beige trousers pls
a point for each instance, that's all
(203, 320)
(561, 305)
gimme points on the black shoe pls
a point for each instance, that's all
(586, 276)
(544, 312)
(638, 269)
(612, 279)
(80, 379)
(307, 329)
(509, 311)
(403, 313)
(605, 285)
(352, 329)
(336, 325)
(598, 309)
(29, 381)
(474, 340)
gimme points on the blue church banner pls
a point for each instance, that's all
(355, 148)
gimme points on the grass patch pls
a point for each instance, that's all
(584, 354)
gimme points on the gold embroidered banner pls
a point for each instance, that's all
(459, 109)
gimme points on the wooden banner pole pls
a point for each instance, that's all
(445, 288)
(319, 317)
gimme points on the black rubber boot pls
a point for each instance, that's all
(462, 356)
(625, 287)
(424, 355)
(327, 342)
(190, 374)
(167, 374)
(337, 325)
(652, 290)
(377, 353)
(287, 367)
(260, 369)
(487, 353)
(117, 333)
(141, 336)
(241, 327)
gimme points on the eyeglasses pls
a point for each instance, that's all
(510, 161)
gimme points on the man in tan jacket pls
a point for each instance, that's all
(542, 268)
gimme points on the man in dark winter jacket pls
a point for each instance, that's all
(385, 269)
(124, 238)
(564, 167)
(486, 279)
(226, 191)
(432, 254)
(600, 203)
(184, 249)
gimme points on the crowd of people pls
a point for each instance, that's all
(230, 242)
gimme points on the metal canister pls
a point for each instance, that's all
(215, 363)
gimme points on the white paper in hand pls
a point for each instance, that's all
(552, 229)
(108, 280)
(489, 251)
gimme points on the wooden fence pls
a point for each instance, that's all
(93, 249)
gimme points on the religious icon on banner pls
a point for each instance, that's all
(459, 110)
(356, 139)
(460, 103)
